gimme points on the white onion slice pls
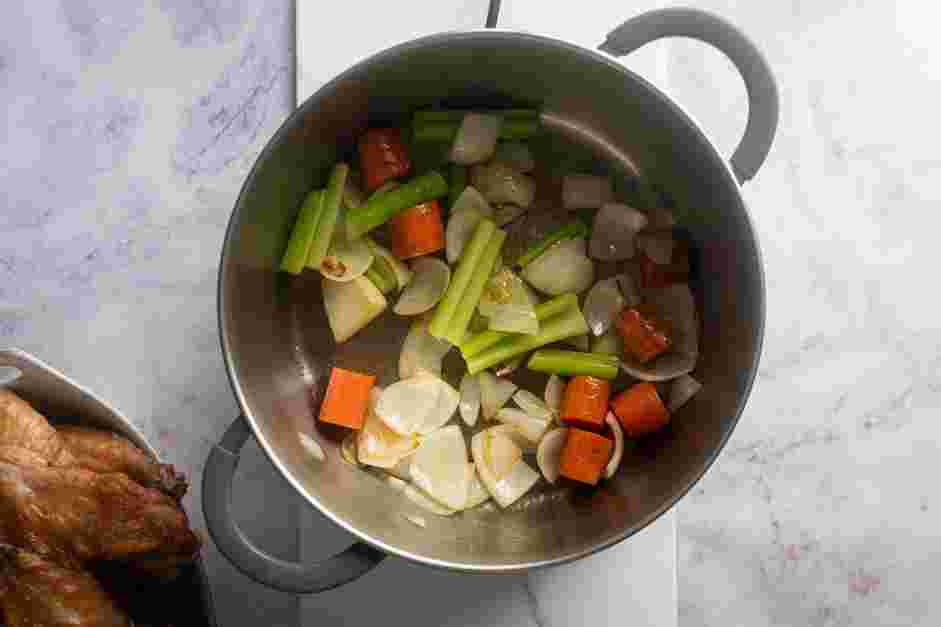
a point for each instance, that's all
(494, 393)
(346, 259)
(403, 276)
(419, 405)
(533, 405)
(351, 305)
(555, 392)
(682, 389)
(524, 444)
(583, 191)
(312, 446)
(614, 231)
(467, 211)
(418, 497)
(378, 445)
(418, 521)
(561, 269)
(657, 245)
(676, 306)
(401, 469)
(618, 452)
(515, 154)
(476, 138)
(469, 404)
(421, 352)
(476, 492)
(549, 454)
(430, 280)
(629, 290)
(608, 343)
(602, 304)
(439, 467)
(501, 184)
(529, 427)
(501, 467)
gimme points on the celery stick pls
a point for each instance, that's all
(475, 288)
(574, 363)
(385, 284)
(470, 258)
(329, 215)
(568, 324)
(544, 311)
(302, 236)
(379, 209)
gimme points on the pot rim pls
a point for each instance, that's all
(309, 104)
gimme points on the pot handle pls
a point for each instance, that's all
(275, 573)
(763, 101)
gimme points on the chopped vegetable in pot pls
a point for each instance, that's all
(502, 302)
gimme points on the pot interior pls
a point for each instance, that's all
(598, 116)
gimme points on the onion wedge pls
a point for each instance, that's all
(528, 426)
(614, 231)
(682, 389)
(430, 280)
(501, 467)
(533, 405)
(494, 393)
(469, 404)
(418, 405)
(561, 269)
(421, 352)
(440, 468)
(378, 445)
(603, 302)
(618, 452)
(676, 306)
(549, 454)
(555, 391)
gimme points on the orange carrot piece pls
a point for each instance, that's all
(382, 157)
(417, 231)
(645, 337)
(586, 402)
(640, 410)
(347, 398)
(585, 456)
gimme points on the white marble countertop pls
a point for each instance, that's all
(129, 126)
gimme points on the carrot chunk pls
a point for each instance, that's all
(640, 410)
(586, 402)
(382, 156)
(645, 337)
(417, 231)
(347, 398)
(585, 456)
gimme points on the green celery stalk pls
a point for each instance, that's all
(544, 311)
(572, 363)
(329, 216)
(379, 209)
(457, 327)
(303, 233)
(563, 326)
(384, 283)
(470, 258)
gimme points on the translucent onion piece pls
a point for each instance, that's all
(346, 259)
(421, 352)
(430, 279)
(528, 426)
(402, 469)
(549, 454)
(419, 498)
(505, 288)
(682, 389)
(494, 393)
(516, 155)
(476, 138)
(507, 213)
(350, 306)
(418, 521)
(501, 184)
(501, 467)
(469, 404)
(618, 452)
(468, 209)
(312, 446)
(555, 392)
(602, 304)
(676, 306)
(614, 231)
(419, 405)
(583, 191)
(439, 467)
(657, 245)
(476, 492)
(523, 443)
(561, 269)
(348, 448)
(513, 319)
(403, 275)
(533, 405)
(378, 445)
